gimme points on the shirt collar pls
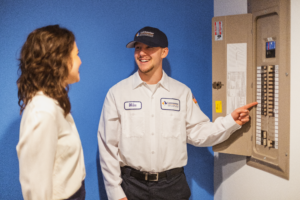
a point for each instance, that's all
(43, 94)
(164, 81)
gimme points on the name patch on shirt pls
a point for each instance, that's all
(133, 105)
(170, 104)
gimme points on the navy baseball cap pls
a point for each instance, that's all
(150, 36)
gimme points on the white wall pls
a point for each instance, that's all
(233, 179)
(229, 7)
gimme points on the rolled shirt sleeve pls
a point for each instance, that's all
(108, 140)
(36, 152)
(202, 132)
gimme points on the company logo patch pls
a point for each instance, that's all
(145, 33)
(194, 99)
(132, 105)
(170, 104)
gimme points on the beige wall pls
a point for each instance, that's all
(233, 179)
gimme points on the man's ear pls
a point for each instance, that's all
(165, 52)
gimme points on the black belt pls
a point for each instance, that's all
(148, 176)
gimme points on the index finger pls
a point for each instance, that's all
(250, 105)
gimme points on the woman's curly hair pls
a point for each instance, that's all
(44, 65)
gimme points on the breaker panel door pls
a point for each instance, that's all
(232, 76)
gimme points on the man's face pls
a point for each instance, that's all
(148, 58)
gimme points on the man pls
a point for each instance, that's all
(146, 121)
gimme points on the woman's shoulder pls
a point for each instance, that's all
(43, 103)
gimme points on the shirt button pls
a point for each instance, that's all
(152, 152)
(152, 115)
(152, 134)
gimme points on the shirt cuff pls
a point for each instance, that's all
(230, 124)
(115, 193)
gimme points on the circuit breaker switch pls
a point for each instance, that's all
(270, 143)
(270, 68)
(265, 142)
(264, 134)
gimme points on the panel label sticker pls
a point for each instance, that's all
(236, 76)
(271, 45)
(218, 30)
(218, 106)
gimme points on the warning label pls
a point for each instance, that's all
(218, 30)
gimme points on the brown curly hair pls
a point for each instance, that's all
(44, 65)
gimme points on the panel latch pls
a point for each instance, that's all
(217, 85)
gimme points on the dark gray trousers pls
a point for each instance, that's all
(80, 194)
(169, 188)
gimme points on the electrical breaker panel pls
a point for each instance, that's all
(267, 97)
(251, 62)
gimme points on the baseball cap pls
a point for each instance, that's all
(150, 36)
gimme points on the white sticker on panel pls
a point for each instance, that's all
(218, 30)
(236, 76)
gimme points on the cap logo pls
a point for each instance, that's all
(145, 33)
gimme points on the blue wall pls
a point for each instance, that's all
(102, 29)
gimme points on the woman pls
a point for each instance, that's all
(49, 149)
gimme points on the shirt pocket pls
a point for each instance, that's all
(171, 124)
(133, 124)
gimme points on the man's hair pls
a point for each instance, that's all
(44, 65)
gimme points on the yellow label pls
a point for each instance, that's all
(218, 106)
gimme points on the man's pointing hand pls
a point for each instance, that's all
(241, 115)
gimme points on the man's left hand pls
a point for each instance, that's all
(241, 115)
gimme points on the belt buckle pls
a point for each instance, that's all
(147, 176)
(156, 177)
